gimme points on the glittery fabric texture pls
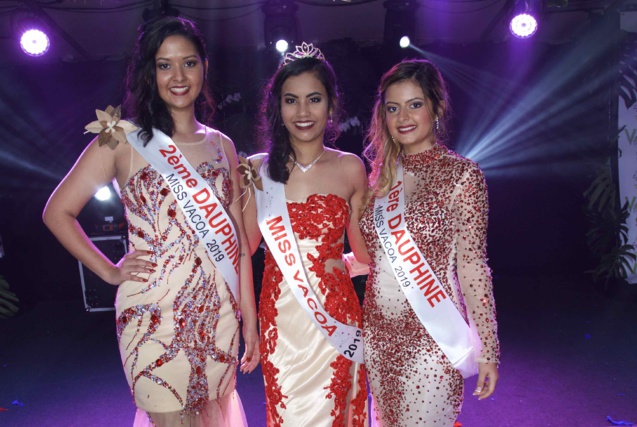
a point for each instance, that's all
(446, 210)
(178, 332)
(307, 382)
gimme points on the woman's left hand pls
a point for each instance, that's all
(251, 357)
(487, 379)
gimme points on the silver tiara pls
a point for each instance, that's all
(304, 51)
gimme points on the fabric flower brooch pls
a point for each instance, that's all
(111, 129)
(248, 177)
(249, 174)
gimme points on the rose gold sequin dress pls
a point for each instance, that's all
(307, 381)
(178, 332)
(412, 381)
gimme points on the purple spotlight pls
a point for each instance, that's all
(523, 25)
(34, 42)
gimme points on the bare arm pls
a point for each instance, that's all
(94, 169)
(358, 178)
(250, 359)
(250, 214)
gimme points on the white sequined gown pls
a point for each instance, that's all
(446, 209)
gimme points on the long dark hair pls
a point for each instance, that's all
(273, 134)
(142, 101)
(381, 151)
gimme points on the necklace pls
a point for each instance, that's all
(308, 167)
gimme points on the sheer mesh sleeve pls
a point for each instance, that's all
(471, 212)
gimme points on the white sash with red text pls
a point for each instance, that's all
(204, 212)
(435, 310)
(276, 228)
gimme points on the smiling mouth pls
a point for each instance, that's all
(179, 90)
(406, 129)
(304, 125)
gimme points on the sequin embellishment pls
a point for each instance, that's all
(446, 211)
(179, 332)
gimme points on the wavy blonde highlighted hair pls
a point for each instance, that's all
(381, 150)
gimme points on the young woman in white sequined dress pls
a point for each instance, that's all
(411, 379)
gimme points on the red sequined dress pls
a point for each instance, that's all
(178, 332)
(446, 209)
(307, 381)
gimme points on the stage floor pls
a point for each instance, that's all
(569, 358)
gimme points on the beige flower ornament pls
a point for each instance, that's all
(248, 177)
(111, 129)
(249, 174)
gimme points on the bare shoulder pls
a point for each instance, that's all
(98, 165)
(257, 159)
(108, 153)
(350, 163)
(225, 139)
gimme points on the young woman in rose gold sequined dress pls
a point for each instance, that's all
(177, 319)
(411, 379)
(307, 381)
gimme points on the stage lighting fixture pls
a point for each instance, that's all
(523, 24)
(280, 22)
(31, 33)
(405, 42)
(103, 194)
(282, 46)
(34, 42)
(556, 4)
(400, 20)
(159, 11)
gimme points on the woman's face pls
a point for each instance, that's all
(179, 73)
(409, 117)
(304, 108)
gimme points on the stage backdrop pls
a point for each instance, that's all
(627, 142)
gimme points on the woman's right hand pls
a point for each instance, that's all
(129, 267)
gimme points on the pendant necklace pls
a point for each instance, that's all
(308, 167)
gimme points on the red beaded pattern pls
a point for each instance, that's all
(446, 213)
(196, 303)
(322, 219)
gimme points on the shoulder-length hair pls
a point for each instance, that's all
(142, 101)
(273, 133)
(381, 151)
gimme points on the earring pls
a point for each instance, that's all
(330, 120)
(437, 124)
(393, 140)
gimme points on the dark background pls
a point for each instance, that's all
(538, 115)
(554, 102)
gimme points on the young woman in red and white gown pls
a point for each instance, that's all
(307, 381)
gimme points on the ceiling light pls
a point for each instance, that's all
(31, 32)
(280, 22)
(524, 23)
